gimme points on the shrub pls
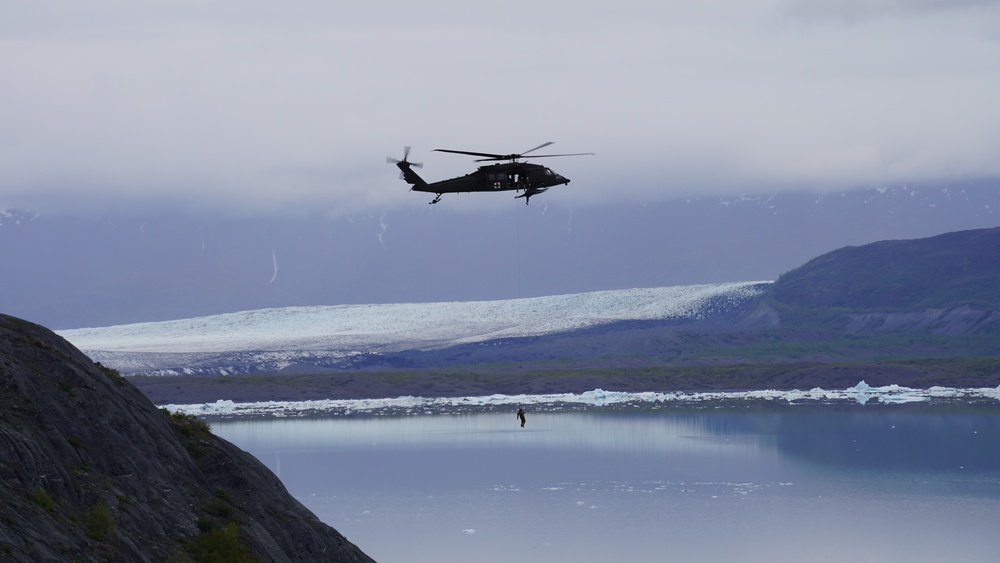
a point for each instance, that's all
(111, 373)
(220, 544)
(188, 425)
(123, 502)
(41, 497)
(219, 508)
(100, 522)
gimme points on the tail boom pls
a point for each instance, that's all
(409, 176)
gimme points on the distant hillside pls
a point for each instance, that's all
(90, 470)
(937, 297)
(945, 284)
(73, 272)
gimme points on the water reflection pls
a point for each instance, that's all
(604, 431)
(849, 484)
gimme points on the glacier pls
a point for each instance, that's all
(325, 336)
(862, 393)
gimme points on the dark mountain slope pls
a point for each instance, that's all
(931, 297)
(943, 271)
(90, 470)
(948, 283)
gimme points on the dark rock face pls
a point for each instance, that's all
(90, 470)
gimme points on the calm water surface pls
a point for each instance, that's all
(883, 483)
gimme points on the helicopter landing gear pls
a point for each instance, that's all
(436, 199)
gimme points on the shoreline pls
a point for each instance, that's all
(860, 395)
(958, 373)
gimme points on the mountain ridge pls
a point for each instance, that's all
(939, 288)
(70, 272)
(943, 284)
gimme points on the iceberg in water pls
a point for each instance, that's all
(861, 393)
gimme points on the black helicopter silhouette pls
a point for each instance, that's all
(532, 179)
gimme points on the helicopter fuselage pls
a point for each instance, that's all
(531, 179)
(507, 176)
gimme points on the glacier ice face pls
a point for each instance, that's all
(275, 338)
(424, 324)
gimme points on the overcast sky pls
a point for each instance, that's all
(281, 106)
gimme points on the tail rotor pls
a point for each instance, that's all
(403, 164)
(406, 172)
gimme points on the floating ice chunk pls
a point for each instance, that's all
(861, 393)
(861, 387)
(993, 393)
(600, 397)
(903, 398)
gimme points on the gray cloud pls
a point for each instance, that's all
(255, 105)
(854, 11)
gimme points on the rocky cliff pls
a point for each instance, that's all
(90, 470)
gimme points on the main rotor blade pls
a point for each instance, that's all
(488, 156)
(567, 154)
(494, 156)
(470, 153)
(534, 156)
(543, 145)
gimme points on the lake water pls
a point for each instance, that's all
(773, 483)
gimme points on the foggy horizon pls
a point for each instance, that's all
(252, 108)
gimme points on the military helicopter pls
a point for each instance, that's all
(532, 179)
